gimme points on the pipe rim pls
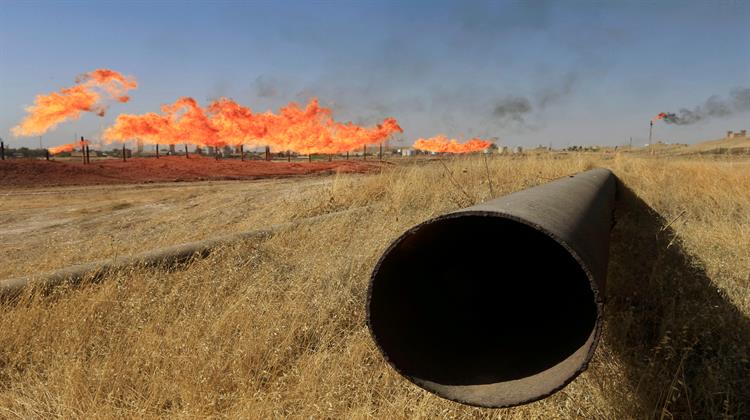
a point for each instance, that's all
(591, 343)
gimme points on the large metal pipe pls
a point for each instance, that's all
(498, 304)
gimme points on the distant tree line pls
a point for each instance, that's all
(24, 152)
(582, 148)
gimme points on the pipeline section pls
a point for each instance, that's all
(501, 303)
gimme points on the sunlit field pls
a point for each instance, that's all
(275, 327)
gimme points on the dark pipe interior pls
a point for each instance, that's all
(478, 300)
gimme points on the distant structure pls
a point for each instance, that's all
(171, 149)
(738, 135)
(139, 146)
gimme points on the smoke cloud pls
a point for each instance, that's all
(266, 87)
(512, 109)
(553, 94)
(714, 106)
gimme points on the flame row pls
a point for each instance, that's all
(442, 144)
(224, 122)
(309, 129)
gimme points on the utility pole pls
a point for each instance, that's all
(650, 130)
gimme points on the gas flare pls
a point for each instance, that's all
(442, 144)
(304, 130)
(181, 122)
(313, 130)
(662, 116)
(237, 125)
(62, 148)
(85, 96)
(190, 124)
(150, 127)
(352, 137)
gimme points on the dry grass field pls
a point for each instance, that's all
(275, 327)
(49, 228)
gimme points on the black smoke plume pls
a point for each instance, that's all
(515, 109)
(512, 109)
(715, 106)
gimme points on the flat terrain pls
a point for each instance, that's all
(725, 145)
(43, 229)
(17, 173)
(275, 327)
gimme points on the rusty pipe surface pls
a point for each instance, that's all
(498, 304)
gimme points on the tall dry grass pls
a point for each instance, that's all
(276, 328)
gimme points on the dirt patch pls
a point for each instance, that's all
(34, 173)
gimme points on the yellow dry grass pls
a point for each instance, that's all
(725, 143)
(49, 228)
(275, 328)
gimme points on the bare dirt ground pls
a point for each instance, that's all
(276, 327)
(27, 173)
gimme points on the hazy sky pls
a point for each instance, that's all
(526, 72)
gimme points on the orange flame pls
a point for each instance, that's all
(313, 130)
(225, 122)
(190, 124)
(62, 148)
(50, 110)
(305, 130)
(442, 144)
(236, 124)
(660, 116)
(150, 127)
(353, 137)
(182, 122)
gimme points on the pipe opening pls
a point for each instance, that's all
(477, 299)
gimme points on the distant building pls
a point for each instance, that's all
(407, 152)
(738, 135)
(139, 146)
